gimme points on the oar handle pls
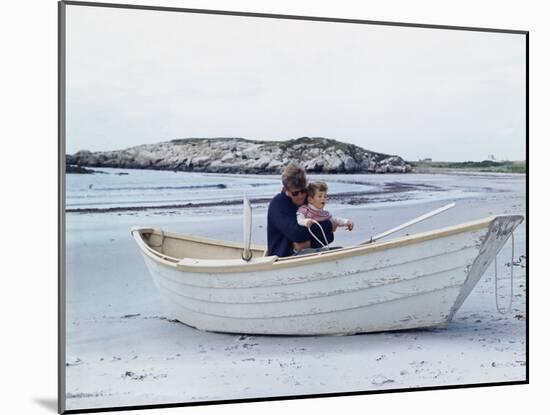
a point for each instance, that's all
(409, 223)
(246, 253)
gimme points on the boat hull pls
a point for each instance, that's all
(409, 283)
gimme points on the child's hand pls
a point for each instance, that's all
(308, 222)
(350, 225)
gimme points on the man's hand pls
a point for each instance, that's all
(297, 246)
(350, 225)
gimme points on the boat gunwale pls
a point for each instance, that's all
(295, 261)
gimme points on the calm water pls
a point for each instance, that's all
(137, 188)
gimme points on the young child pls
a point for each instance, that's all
(315, 210)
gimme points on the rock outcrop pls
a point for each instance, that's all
(78, 170)
(238, 155)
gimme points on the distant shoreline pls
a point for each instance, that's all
(424, 168)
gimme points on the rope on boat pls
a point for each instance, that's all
(509, 307)
(324, 245)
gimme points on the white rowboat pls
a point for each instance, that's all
(410, 282)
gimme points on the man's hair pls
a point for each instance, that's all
(313, 187)
(294, 177)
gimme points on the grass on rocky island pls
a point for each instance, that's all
(488, 166)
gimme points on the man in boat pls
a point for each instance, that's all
(282, 227)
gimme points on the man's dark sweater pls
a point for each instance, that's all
(283, 229)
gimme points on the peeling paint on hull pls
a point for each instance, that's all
(418, 281)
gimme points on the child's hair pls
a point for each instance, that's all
(313, 187)
(294, 177)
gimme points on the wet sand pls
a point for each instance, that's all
(123, 348)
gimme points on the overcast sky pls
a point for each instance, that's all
(137, 76)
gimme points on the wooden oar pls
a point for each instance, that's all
(247, 229)
(409, 223)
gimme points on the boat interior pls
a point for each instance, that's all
(174, 247)
(178, 248)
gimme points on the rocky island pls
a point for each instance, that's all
(239, 155)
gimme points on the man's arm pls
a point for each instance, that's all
(285, 221)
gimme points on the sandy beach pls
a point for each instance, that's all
(123, 348)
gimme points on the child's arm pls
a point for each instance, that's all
(342, 222)
(302, 220)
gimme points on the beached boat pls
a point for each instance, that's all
(414, 281)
